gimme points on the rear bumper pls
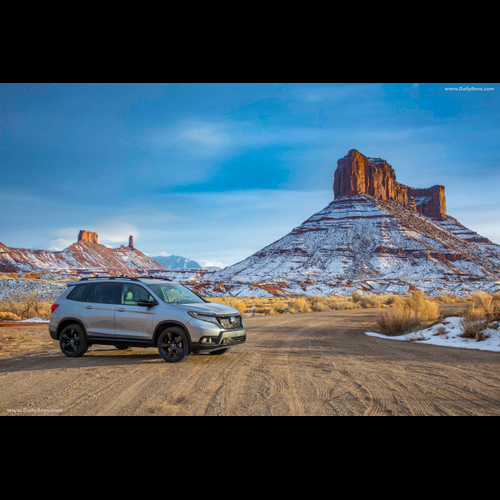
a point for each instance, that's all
(53, 332)
(222, 341)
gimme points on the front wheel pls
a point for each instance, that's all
(73, 342)
(173, 345)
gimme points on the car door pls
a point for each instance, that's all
(133, 322)
(100, 308)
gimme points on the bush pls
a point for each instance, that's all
(9, 316)
(26, 306)
(319, 303)
(487, 304)
(473, 323)
(241, 306)
(300, 304)
(407, 314)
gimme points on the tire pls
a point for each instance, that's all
(219, 353)
(122, 347)
(73, 341)
(173, 345)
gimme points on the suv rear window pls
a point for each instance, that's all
(79, 293)
(106, 293)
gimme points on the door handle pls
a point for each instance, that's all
(89, 307)
(121, 310)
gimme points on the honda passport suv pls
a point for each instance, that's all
(142, 312)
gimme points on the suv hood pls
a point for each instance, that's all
(211, 308)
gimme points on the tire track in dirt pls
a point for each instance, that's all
(304, 364)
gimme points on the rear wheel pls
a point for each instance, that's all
(73, 342)
(173, 345)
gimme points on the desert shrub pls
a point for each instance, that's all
(26, 306)
(368, 301)
(356, 297)
(319, 303)
(441, 331)
(300, 304)
(485, 303)
(407, 314)
(241, 306)
(9, 316)
(342, 303)
(391, 299)
(473, 323)
(447, 298)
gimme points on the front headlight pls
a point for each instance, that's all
(204, 317)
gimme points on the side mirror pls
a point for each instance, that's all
(145, 303)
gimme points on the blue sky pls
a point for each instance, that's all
(215, 172)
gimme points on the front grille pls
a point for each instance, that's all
(234, 340)
(230, 323)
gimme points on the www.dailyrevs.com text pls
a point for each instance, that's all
(32, 410)
(470, 89)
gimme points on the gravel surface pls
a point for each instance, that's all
(304, 364)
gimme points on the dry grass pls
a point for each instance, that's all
(449, 298)
(24, 306)
(408, 314)
(369, 301)
(296, 305)
(473, 323)
(484, 309)
(489, 305)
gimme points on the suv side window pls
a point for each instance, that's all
(79, 293)
(106, 293)
(131, 294)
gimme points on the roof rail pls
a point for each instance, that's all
(151, 277)
(106, 277)
(123, 276)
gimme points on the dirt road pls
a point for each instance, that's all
(305, 364)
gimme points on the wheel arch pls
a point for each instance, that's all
(69, 321)
(167, 324)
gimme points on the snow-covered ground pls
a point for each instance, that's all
(32, 320)
(447, 333)
(48, 290)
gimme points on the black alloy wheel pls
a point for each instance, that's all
(73, 342)
(173, 345)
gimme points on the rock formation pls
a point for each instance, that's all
(88, 237)
(84, 257)
(131, 242)
(377, 236)
(357, 175)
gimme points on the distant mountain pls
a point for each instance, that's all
(176, 262)
(85, 257)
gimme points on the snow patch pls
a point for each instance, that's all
(448, 334)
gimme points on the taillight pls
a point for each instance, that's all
(54, 307)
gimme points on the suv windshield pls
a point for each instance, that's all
(173, 293)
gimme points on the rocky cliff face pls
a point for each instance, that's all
(88, 237)
(376, 236)
(357, 174)
(84, 257)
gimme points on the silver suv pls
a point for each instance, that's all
(142, 312)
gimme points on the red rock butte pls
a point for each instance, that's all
(357, 174)
(88, 237)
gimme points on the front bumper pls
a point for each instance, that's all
(224, 340)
